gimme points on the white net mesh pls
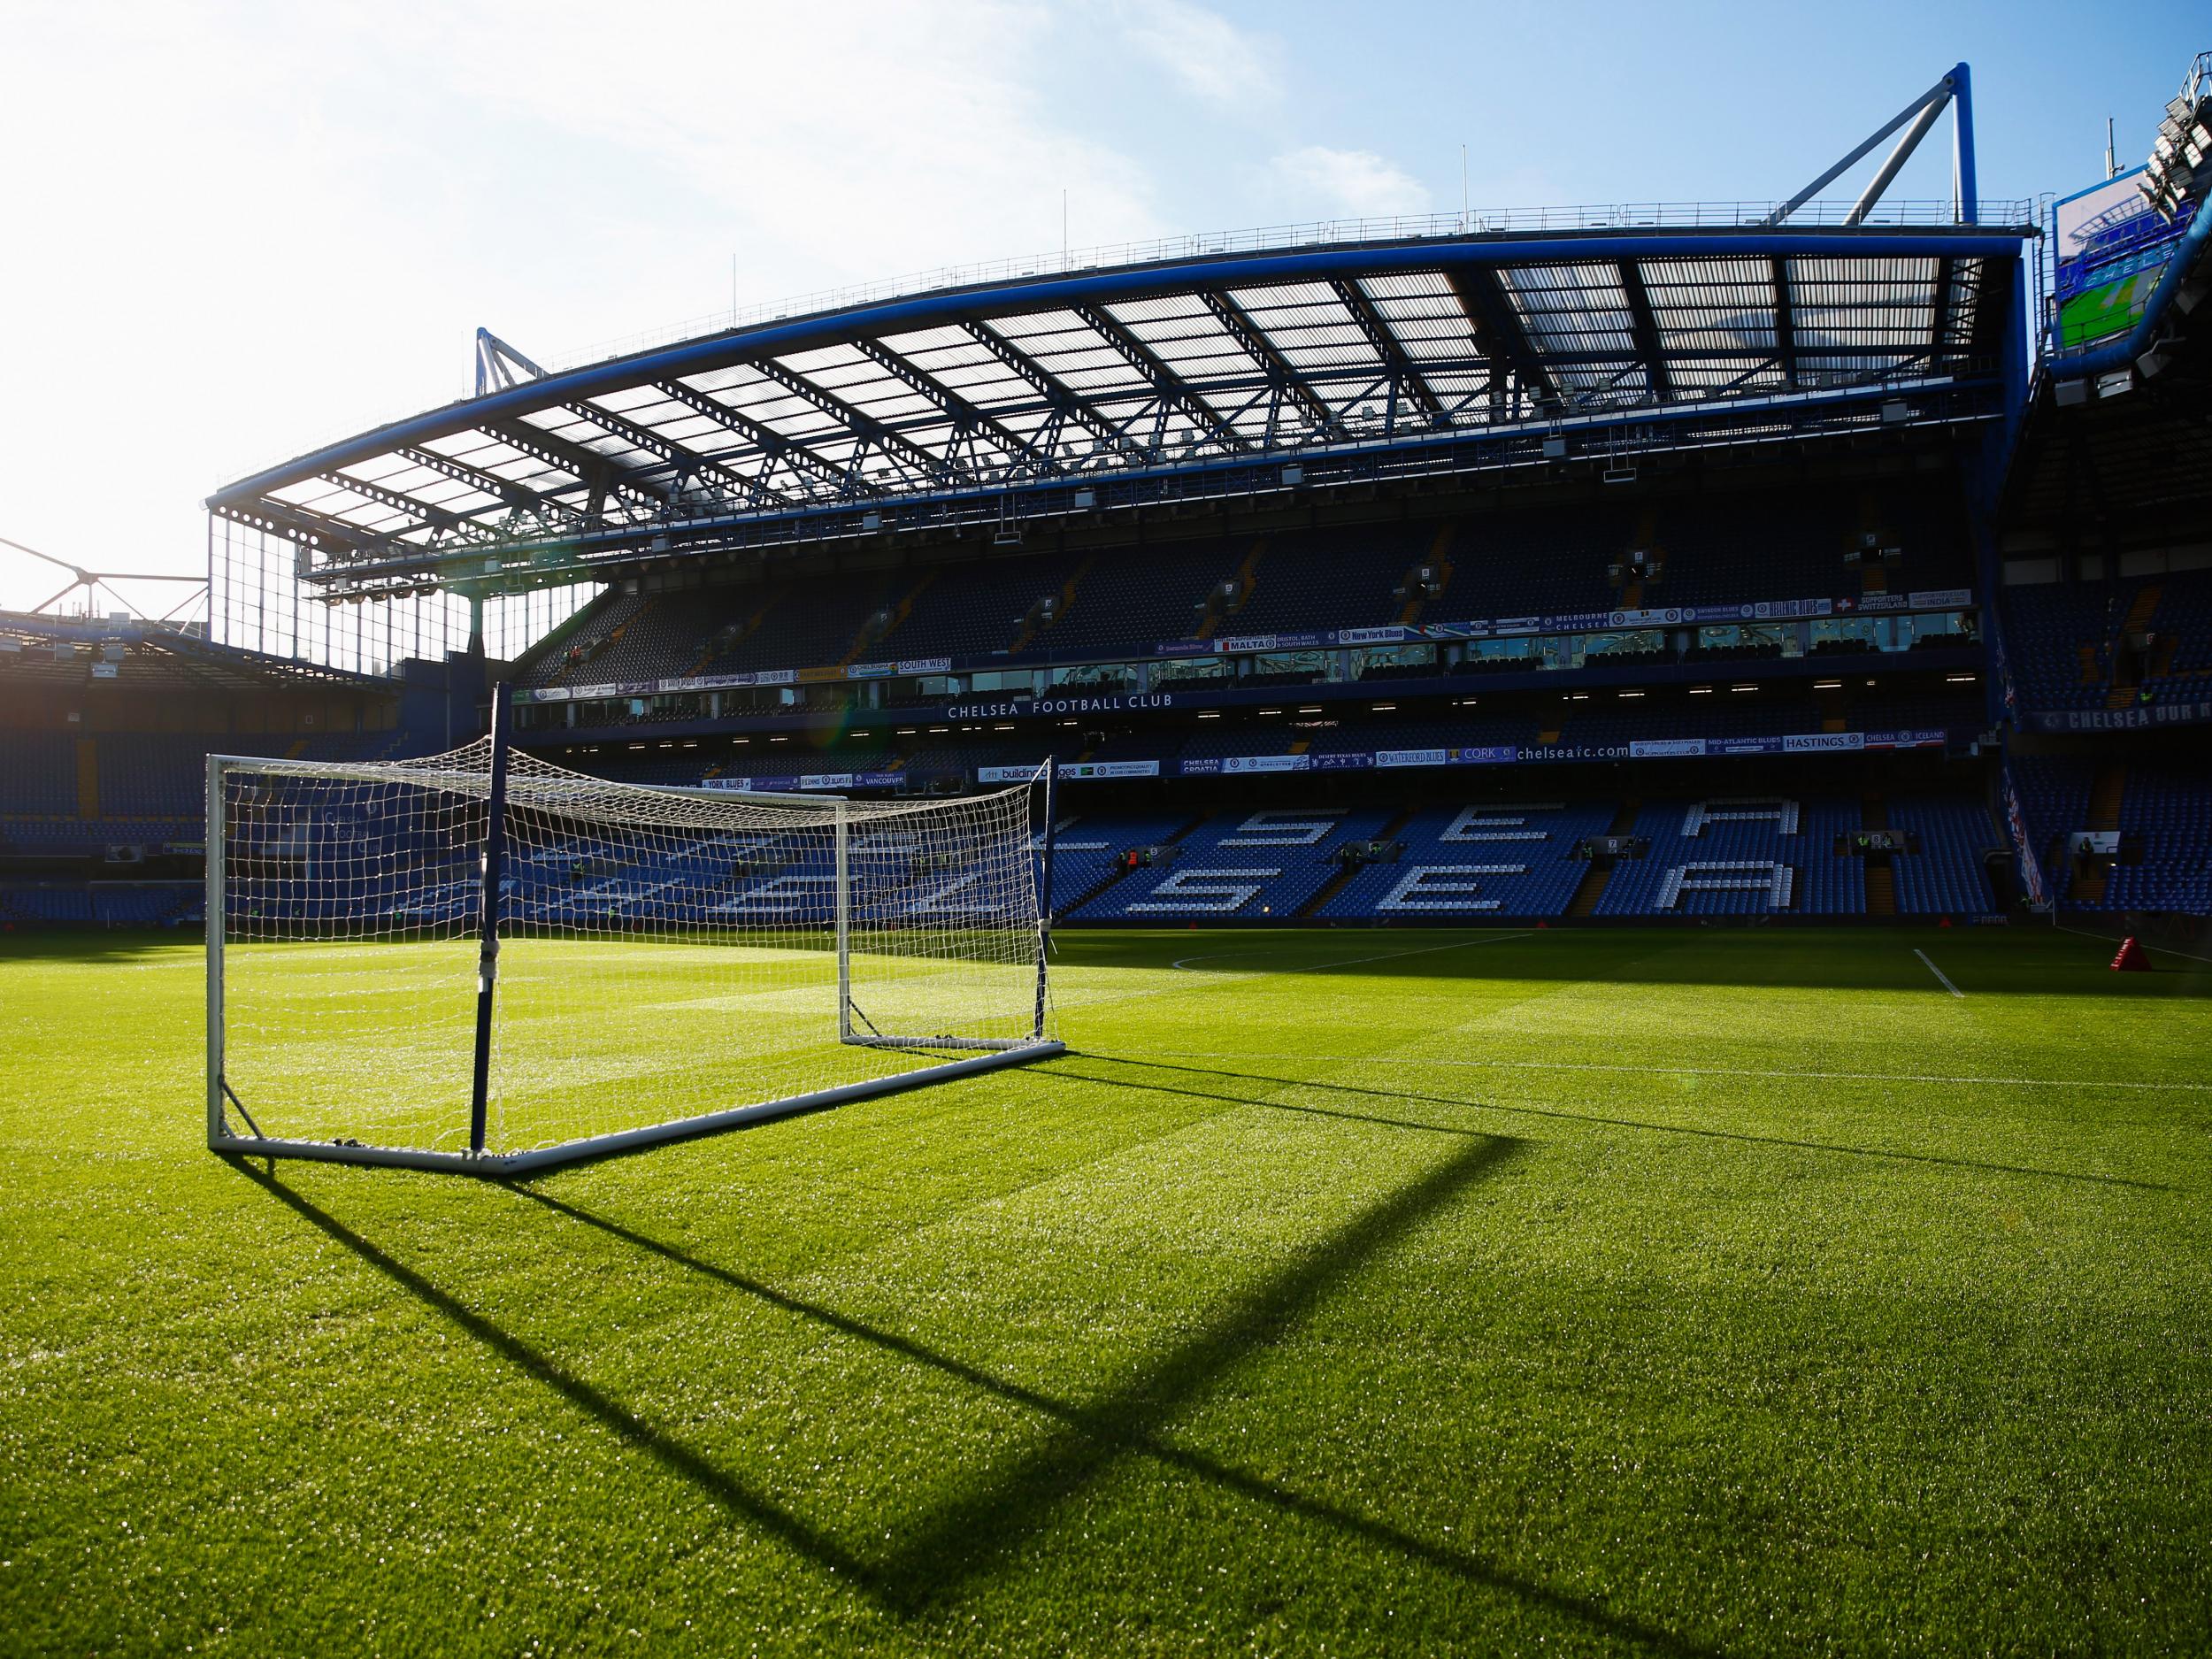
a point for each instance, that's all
(663, 956)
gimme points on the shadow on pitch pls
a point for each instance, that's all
(1401, 1096)
(975, 1531)
(732, 1496)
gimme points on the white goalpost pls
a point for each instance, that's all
(482, 962)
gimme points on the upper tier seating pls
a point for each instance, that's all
(38, 774)
(2067, 645)
(1520, 562)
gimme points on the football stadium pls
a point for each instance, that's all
(1454, 934)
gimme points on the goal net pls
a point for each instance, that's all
(638, 963)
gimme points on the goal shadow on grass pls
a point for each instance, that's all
(979, 1529)
(1879, 1153)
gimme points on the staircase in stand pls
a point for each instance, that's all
(2127, 680)
(1336, 883)
(1595, 879)
(1119, 869)
(1881, 878)
(2104, 814)
(1026, 633)
(1439, 555)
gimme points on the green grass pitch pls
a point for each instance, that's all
(1700, 1292)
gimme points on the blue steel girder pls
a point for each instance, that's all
(802, 460)
(967, 418)
(689, 464)
(1784, 318)
(518, 498)
(866, 430)
(1405, 375)
(438, 520)
(1645, 328)
(1170, 390)
(596, 475)
(1066, 404)
(1514, 368)
(1283, 379)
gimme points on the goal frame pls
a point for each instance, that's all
(991, 1054)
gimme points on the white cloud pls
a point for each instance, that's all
(245, 229)
(1321, 183)
(1209, 56)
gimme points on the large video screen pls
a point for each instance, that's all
(2111, 250)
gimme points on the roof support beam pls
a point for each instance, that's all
(324, 531)
(1940, 324)
(438, 519)
(1171, 389)
(1066, 401)
(514, 494)
(1645, 328)
(688, 463)
(1403, 370)
(966, 417)
(1281, 376)
(599, 476)
(1921, 112)
(895, 444)
(789, 451)
(1499, 335)
(1784, 318)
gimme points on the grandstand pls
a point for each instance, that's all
(1527, 527)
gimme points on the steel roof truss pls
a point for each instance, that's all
(969, 419)
(600, 476)
(901, 452)
(1066, 403)
(806, 465)
(1514, 367)
(689, 464)
(438, 520)
(1403, 371)
(1282, 377)
(1645, 328)
(1169, 386)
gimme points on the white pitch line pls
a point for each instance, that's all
(1940, 974)
(1694, 1071)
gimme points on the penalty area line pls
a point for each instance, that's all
(1940, 974)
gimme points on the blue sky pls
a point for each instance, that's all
(253, 228)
